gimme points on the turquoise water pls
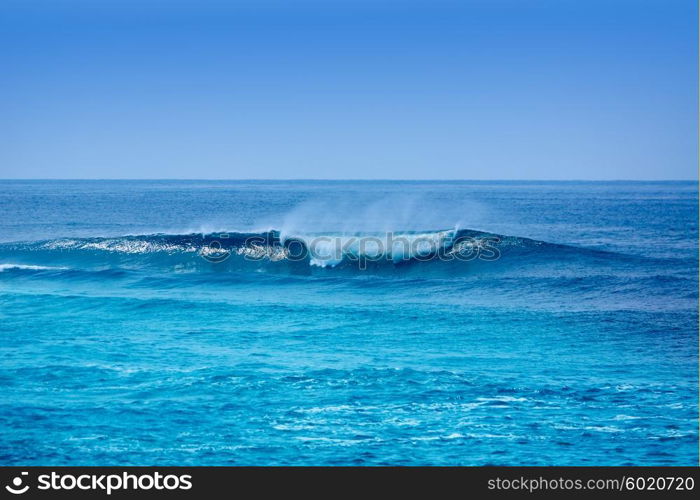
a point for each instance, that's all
(139, 324)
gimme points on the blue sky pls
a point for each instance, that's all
(476, 89)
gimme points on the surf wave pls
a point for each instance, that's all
(274, 249)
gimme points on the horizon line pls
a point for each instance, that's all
(311, 179)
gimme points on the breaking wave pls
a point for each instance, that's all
(274, 250)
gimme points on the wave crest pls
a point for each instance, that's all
(271, 249)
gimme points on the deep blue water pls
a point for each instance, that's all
(123, 344)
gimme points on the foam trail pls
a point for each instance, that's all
(29, 267)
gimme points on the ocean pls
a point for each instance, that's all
(348, 323)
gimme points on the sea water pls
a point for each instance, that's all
(140, 326)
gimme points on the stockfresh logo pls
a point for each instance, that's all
(104, 483)
(17, 487)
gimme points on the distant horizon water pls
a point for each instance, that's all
(300, 179)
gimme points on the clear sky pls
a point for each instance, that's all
(470, 89)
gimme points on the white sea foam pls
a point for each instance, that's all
(119, 245)
(4, 267)
(330, 249)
